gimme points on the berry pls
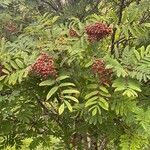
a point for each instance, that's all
(11, 27)
(44, 66)
(73, 33)
(104, 74)
(97, 31)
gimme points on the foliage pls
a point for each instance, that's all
(75, 106)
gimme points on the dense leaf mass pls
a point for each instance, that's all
(75, 74)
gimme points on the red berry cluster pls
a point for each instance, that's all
(11, 27)
(103, 73)
(73, 33)
(97, 31)
(44, 66)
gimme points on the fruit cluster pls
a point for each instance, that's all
(44, 66)
(104, 74)
(73, 33)
(97, 31)
(11, 27)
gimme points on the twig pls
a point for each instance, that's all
(53, 107)
(119, 21)
(103, 144)
(120, 11)
(113, 40)
(123, 40)
(43, 106)
(53, 114)
(51, 5)
(59, 4)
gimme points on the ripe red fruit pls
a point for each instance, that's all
(11, 27)
(103, 73)
(73, 33)
(97, 31)
(44, 66)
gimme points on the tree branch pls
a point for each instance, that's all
(51, 5)
(121, 7)
(50, 113)
(103, 144)
(46, 110)
(121, 11)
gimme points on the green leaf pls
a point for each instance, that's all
(13, 78)
(70, 91)
(5, 71)
(142, 51)
(55, 18)
(133, 32)
(115, 66)
(61, 109)
(19, 63)
(47, 83)
(120, 82)
(66, 84)
(2, 77)
(125, 31)
(91, 94)
(92, 86)
(88, 64)
(133, 15)
(1, 86)
(8, 67)
(52, 92)
(91, 101)
(14, 65)
(125, 16)
(94, 112)
(71, 98)
(62, 78)
(148, 49)
(134, 85)
(68, 106)
(137, 55)
(146, 25)
(20, 76)
(130, 93)
(104, 89)
(103, 103)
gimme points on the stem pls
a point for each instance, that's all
(51, 5)
(119, 21)
(54, 109)
(103, 144)
(52, 114)
(121, 11)
(113, 40)
(124, 40)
